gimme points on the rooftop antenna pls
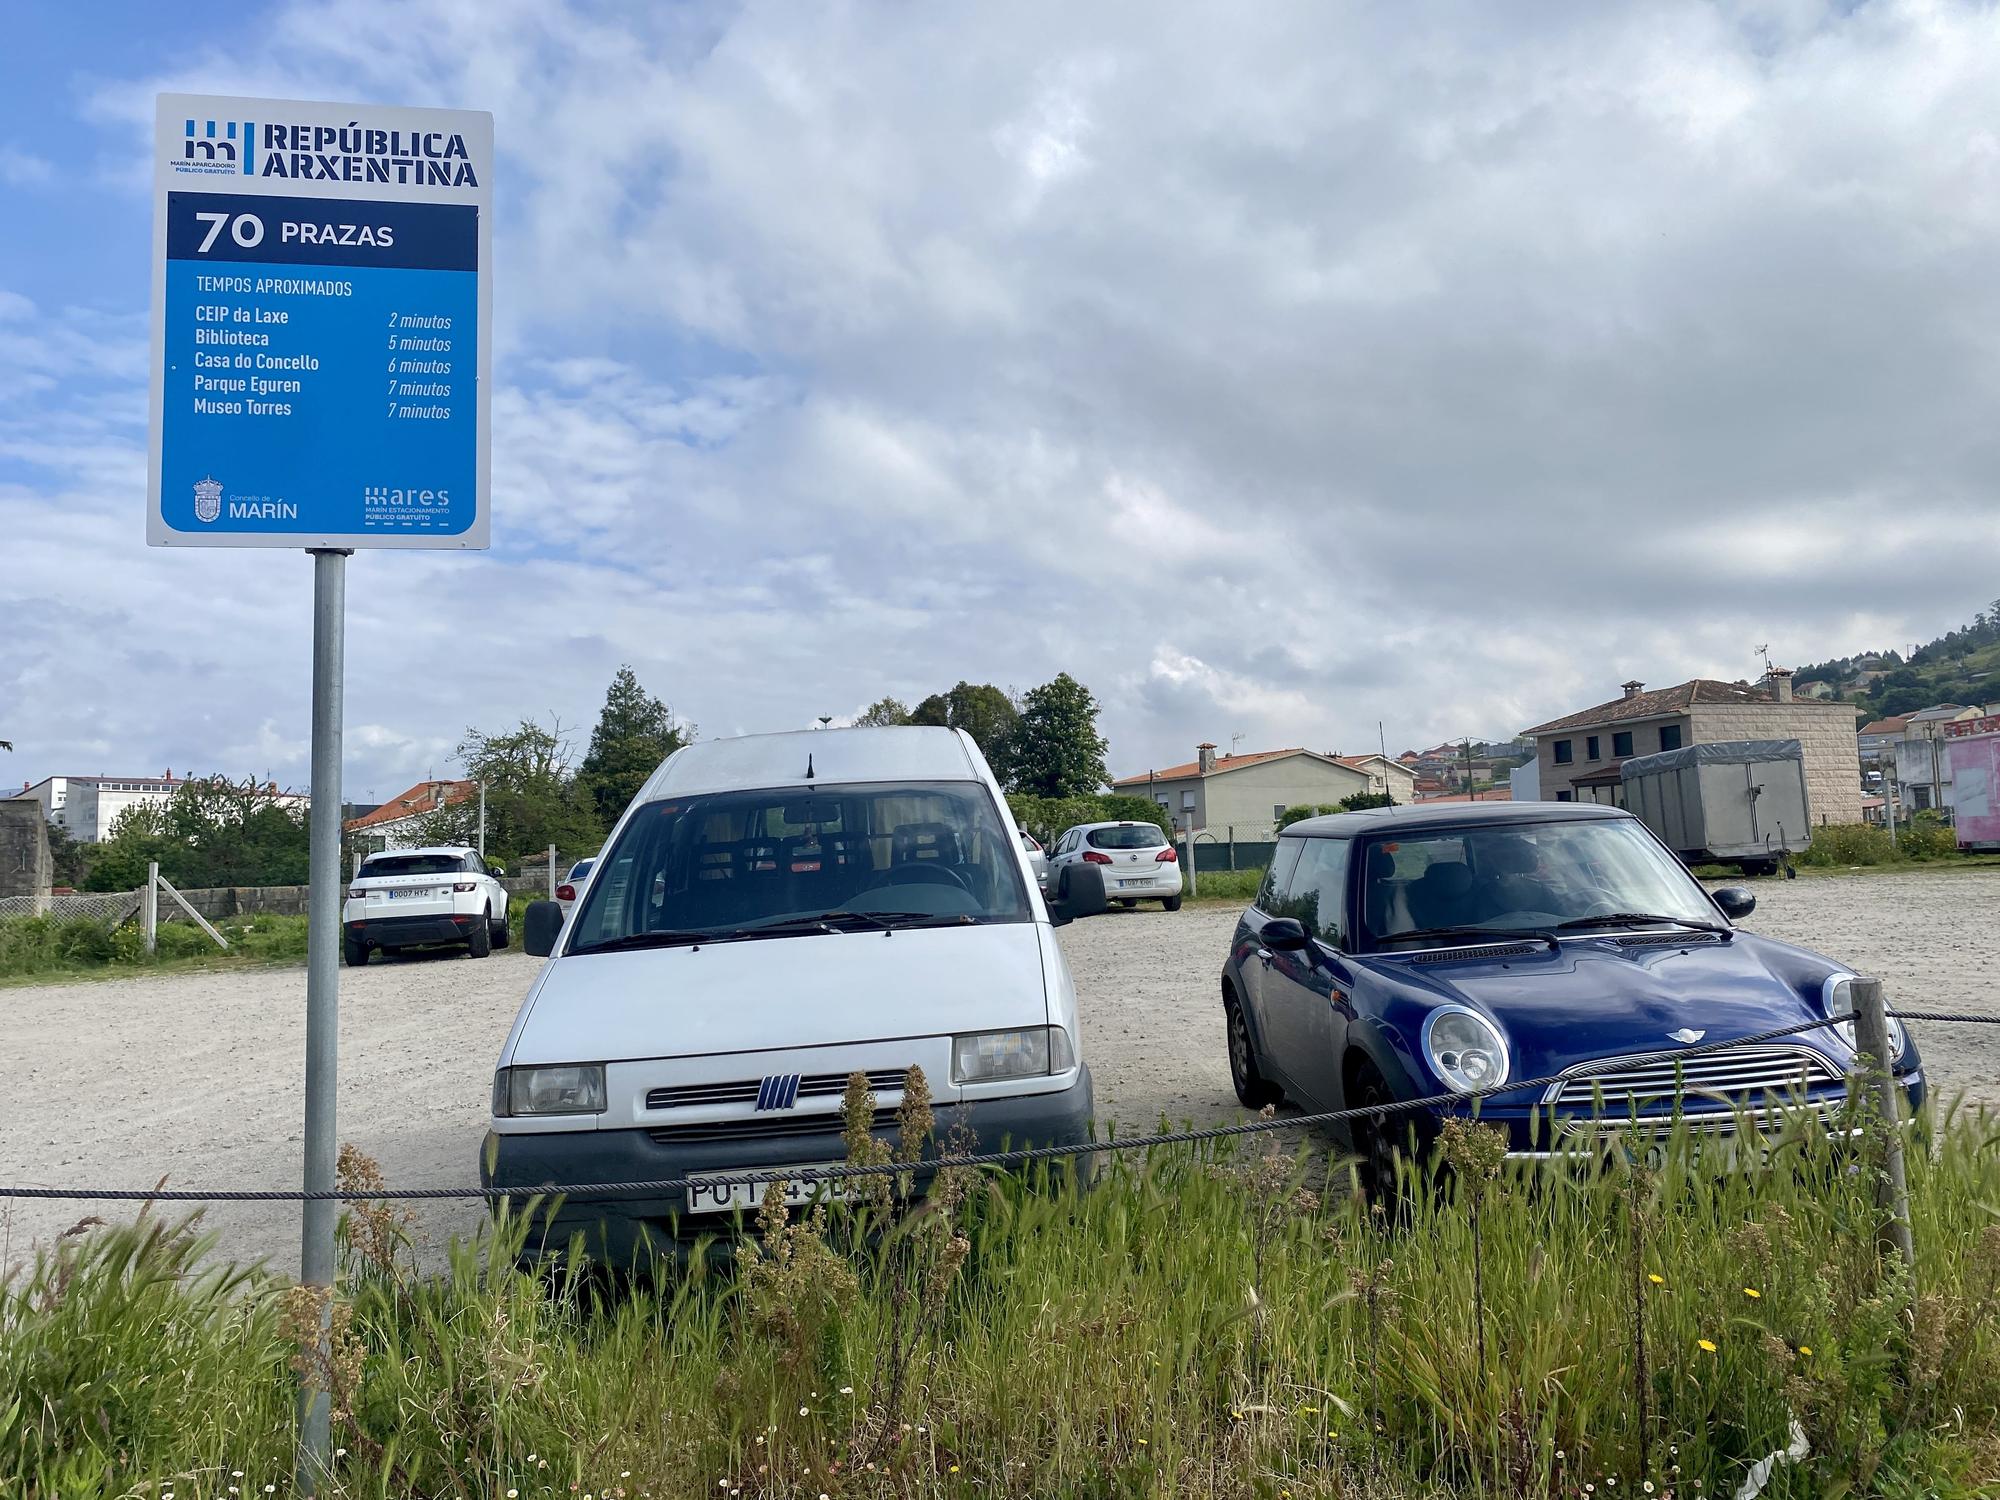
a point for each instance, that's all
(1765, 652)
(1235, 740)
(824, 720)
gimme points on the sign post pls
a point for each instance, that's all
(322, 323)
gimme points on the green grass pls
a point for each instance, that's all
(1195, 1325)
(1232, 886)
(39, 948)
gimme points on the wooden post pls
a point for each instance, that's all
(149, 908)
(1871, 1035)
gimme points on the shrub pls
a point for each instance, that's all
(1047, 817)
(1228, 885)
(1848, 844)
(1299, 812)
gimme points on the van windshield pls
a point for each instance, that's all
(788, 861)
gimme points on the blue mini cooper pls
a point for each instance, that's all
(1406, 952)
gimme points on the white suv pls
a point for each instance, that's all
(1137, 861)
(417, 898)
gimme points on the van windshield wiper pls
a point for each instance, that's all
(827, 921)
(662, 939)
(1479, 934)
(1633, 918)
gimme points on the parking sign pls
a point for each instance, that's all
(321, 325)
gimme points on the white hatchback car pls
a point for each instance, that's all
(420, 898)
(771, 916)
(566, 893)
(1138, 861)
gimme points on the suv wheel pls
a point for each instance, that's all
(355, 951)
(479, 942)
(1252, 1087)
(501, 936)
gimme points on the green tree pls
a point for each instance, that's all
(69, 860)
(634, 733)
(882, 713)
(980, 709)
(211, 832)
(532, 798)
(1055, 749)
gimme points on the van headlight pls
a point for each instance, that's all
(1840, 1000)
(1032, 1052)
(572, 1089)
(1465, 1049)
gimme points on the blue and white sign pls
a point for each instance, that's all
(321, 325)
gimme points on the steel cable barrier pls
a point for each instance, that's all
(598, 1191)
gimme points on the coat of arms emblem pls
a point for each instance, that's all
(207, 499)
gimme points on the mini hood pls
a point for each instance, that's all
(788, 992)
(1599, 999)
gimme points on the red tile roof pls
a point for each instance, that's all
(421, 798)
(1894, 724)
(1222, 763)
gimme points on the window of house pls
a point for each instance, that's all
(1670, 736)
(1565, 796)
(1565, 752)
(1621, 743)
(1590, 750)
(1187, 801)
(1277, 811)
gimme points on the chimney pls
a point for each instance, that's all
(1204, 757)
(1633, 689)
(1779, 681)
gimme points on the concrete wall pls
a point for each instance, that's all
(1553, 779)
(1824, 730)
(291, 900)
(24, 850)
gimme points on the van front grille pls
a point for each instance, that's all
(765, 1127)
(744, 1091)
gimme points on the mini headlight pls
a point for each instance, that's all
(1465, 1049)
(1031, 1052)
(572, 1089)
(1840, 1000)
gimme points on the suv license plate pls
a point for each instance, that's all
(410, 895)
(719, 1193)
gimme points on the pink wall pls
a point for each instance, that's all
(1975, 787)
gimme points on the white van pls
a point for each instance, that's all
(771, 915)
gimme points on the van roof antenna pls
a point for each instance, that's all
(809, 766)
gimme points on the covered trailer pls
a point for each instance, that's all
(1739, 802)
(1975, 789)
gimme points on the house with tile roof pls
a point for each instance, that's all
(398, 823)
(1248, 792)
(1578, 756)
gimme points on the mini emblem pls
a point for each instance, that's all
(207, 499)
(1686, 1036)
(779, 1091)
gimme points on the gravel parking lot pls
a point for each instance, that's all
(195, 1078)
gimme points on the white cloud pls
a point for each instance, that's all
(1273, 371)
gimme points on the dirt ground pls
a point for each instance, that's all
(195, 1077)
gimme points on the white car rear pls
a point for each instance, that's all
(772, 915)
(572, 885)
(422, 898)
(1137, 860)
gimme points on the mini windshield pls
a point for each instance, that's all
(1126, 836)
(1523, 876)
(782, 862)
(412, 864)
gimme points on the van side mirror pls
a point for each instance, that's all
(1079, 893)
(543, 927)
(1736, 902)
(1285, 934)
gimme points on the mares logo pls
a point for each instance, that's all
(213, 148)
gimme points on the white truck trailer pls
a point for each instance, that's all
(1740, 802)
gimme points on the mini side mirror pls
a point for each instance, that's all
(543, 927)
(1286, 934)
(1079, 893)
(1736, 902)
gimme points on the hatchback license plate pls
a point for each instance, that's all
(720, 1193)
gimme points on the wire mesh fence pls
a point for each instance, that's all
(112, 908)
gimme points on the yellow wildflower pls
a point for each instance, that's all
(1706, 1345)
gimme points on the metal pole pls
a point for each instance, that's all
(322, 984)
(149, 908)
(552, 872)
(1871, 1038)
(1889, 797)
(482, 820)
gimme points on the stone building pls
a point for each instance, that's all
(1577, 757)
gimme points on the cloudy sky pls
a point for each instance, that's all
(1275, 370)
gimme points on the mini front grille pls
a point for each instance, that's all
(1651, 1082)
(768, 1127)
(744, 1091)
(1465, 955)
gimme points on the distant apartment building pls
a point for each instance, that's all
(1578, 757)
(1248, 792)
(85, 807)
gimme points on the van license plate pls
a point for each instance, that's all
(719, 1193)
